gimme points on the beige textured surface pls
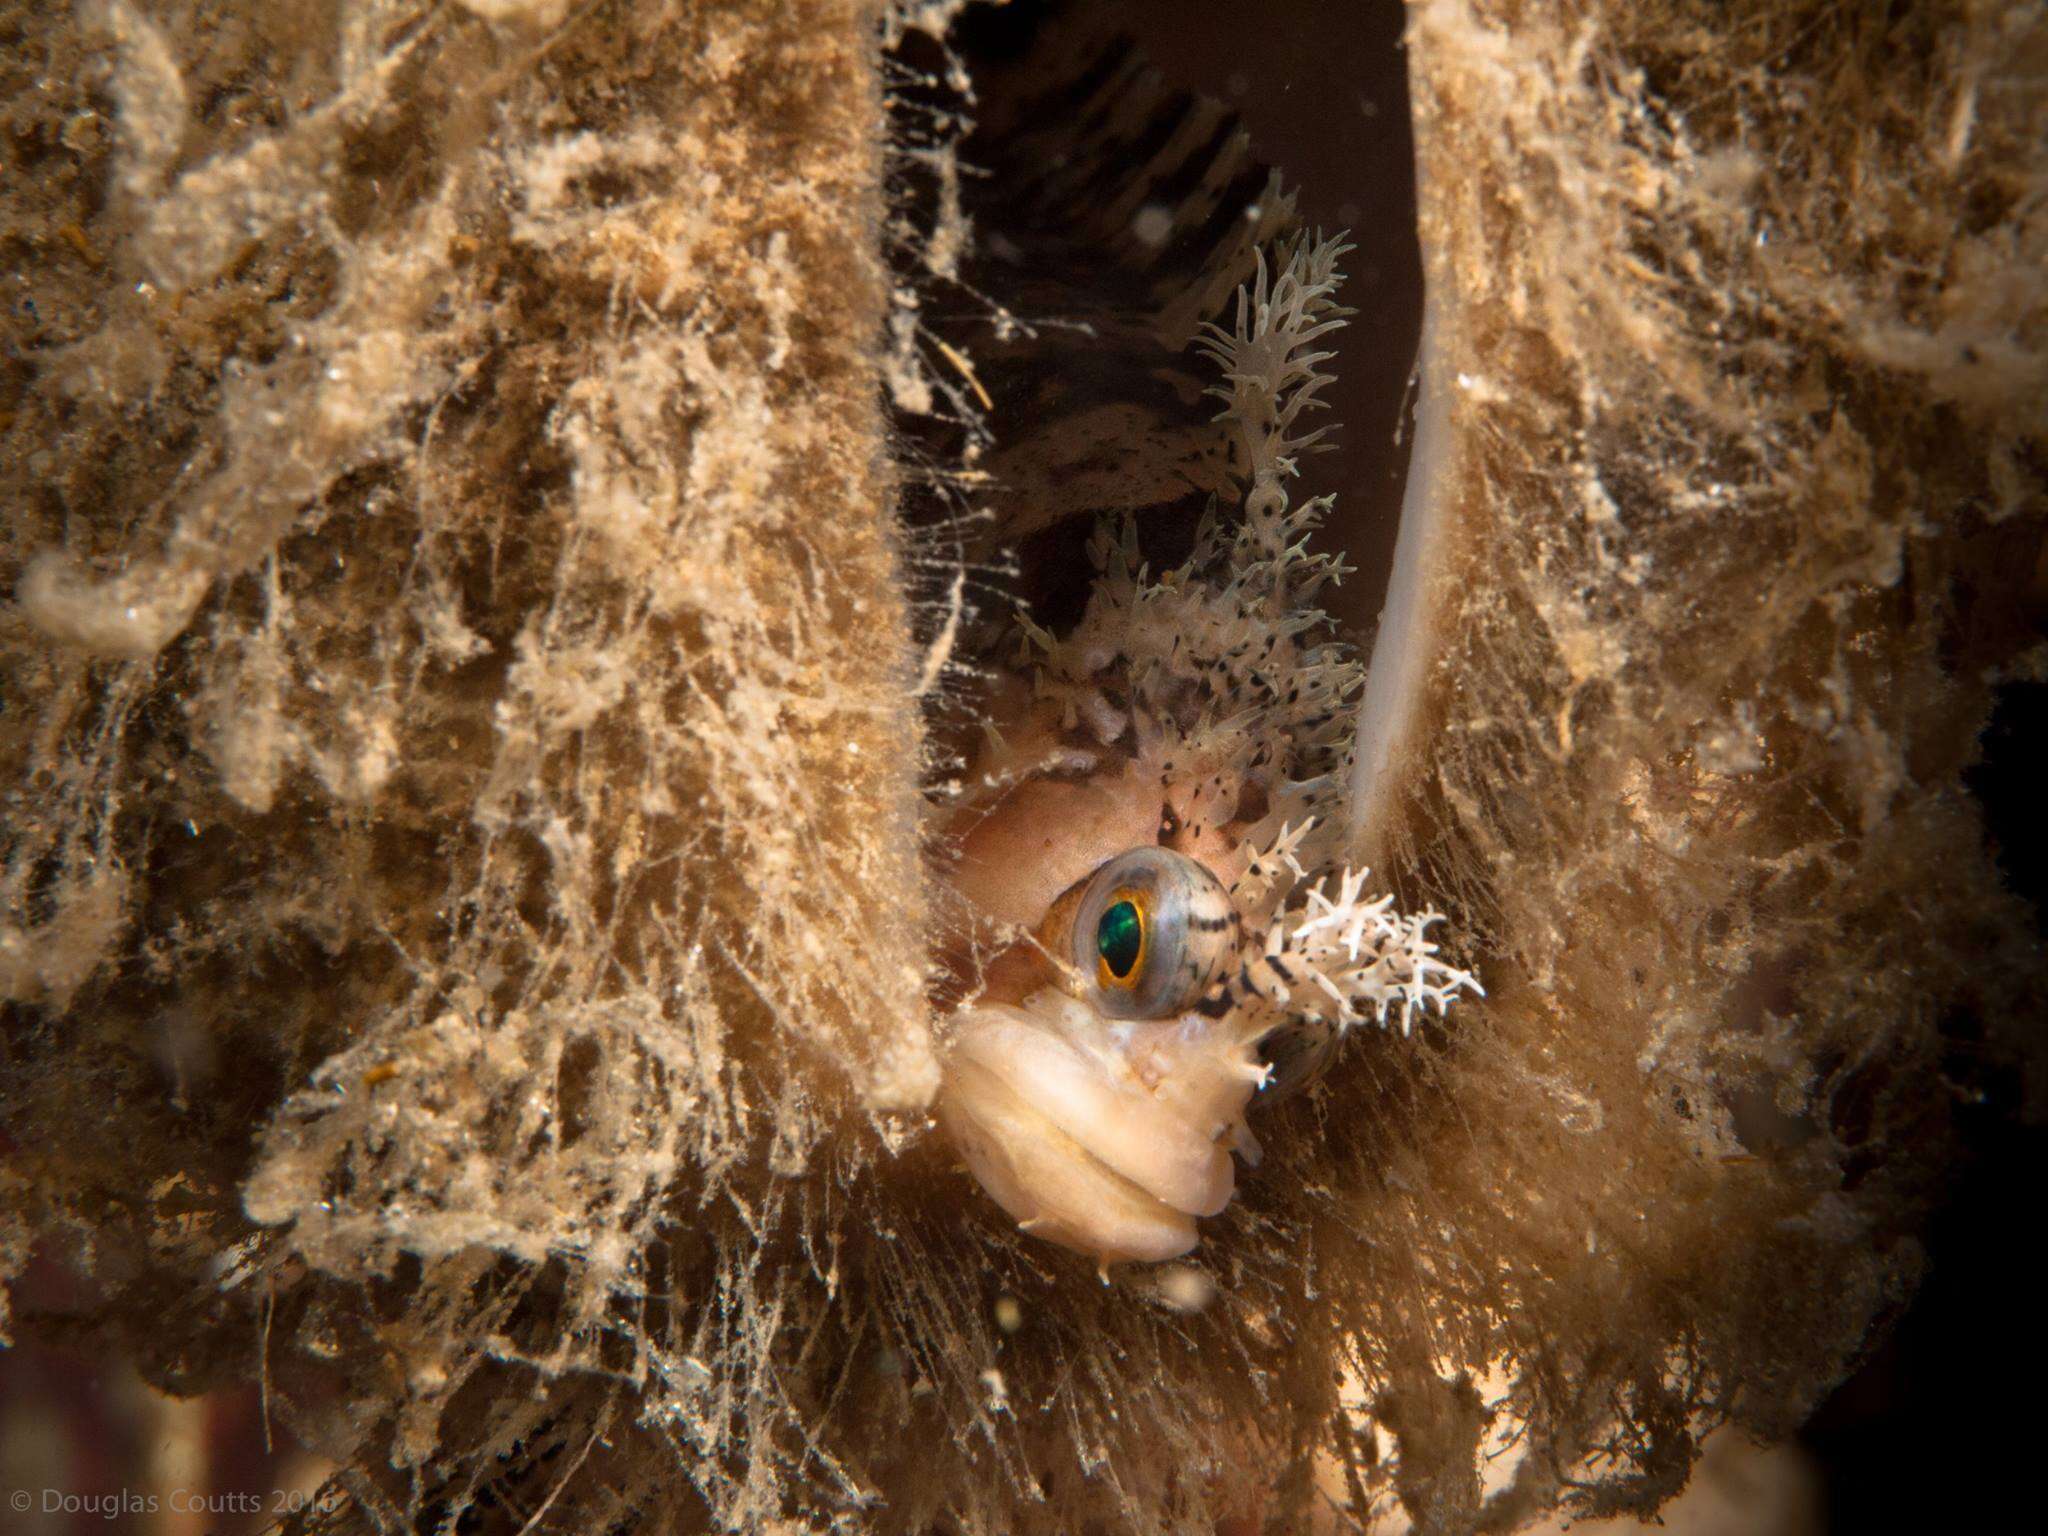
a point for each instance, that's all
(460, 763)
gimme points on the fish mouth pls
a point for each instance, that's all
(1108, 1136)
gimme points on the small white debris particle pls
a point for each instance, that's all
(1185, 1289)
(1151, 225)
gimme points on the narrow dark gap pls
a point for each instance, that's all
(1928, 1431)
(1106, 116)
(1322, 87)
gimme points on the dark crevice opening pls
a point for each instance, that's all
(1081, 108)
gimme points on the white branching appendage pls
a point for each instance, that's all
(1334, 961)
(1226, 661)
(1270, 380)
(1366, 953)
(1339, 959)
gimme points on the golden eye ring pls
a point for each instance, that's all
(1122, 938)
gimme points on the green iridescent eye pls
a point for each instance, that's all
(1148, 933)
(1120, 938)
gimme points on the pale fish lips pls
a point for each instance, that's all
(1106, 1136)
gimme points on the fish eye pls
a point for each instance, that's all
(1120, 940)
(1151, 930)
